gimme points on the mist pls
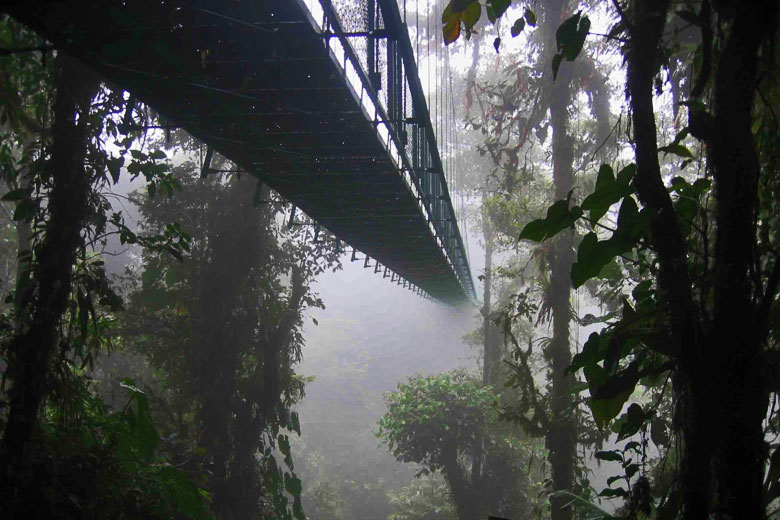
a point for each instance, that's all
(371, 335)
(389, 260)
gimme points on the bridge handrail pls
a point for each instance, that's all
(392, 16)
(425, 165)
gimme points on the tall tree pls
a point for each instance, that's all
(519, 105)
(720, 370)
(56, 120)
(30, 352)
(561, 434)
(722, 374)
(443, 422)
(226, 330)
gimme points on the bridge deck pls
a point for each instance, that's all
(258, 83)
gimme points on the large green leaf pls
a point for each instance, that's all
(594, 254)
(592, 353)
(517, 27)
(559, 217)
(677, 149)
(609, 392)
(498, 7)
(608, 190)
(613, 456)
(451, 31)
(570, 37)
(632, 224)
(25, 209)
(530, 17)
(604, 410)
(612, 493)
(471, 15)
(292, 485)
(467, 12)
(616, 384)
(631, 421)
(16, 195)
(556, 64)
(295, 422)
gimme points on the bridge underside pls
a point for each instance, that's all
(253, 80)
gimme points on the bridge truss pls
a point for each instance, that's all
(320, 99)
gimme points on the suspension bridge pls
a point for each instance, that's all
(320, 99)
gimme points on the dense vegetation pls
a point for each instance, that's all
(207, 321)
(677, 239)
(621, 170)
(448, 423)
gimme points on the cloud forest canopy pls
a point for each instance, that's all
(700, 251)
(214, 306)
(159, 380)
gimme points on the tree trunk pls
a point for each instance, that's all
(31, 351)
(463, 494)
(561, 437)
(739, 396)
(224, 326)
(492, 334)
(24, 242)
(720, 387)
(674, 281)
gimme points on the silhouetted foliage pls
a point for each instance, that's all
(437, 421)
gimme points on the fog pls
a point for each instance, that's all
(371, 335)
(179, 339)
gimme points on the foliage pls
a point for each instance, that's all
(224, 328)
(520, 108)
(425, 498)
(326, 500)
(357, 356)
(59, 132)
(427, 415)
(460, 17)
(62, 215)
(447, 422)
(96, 462)
(684, 257)
(569, 39)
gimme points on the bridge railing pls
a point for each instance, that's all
(371, 42)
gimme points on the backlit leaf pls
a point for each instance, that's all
(608, 190)
(499, 6)
(292, 485)
(592, 256)
(570, 37)
(451, 31)
(15, 195)
(556, 64)
(609, 455)
(530, 17)
(677, 149)
(517, 27)
(471, 15)
(610, 493)
(559, 217)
